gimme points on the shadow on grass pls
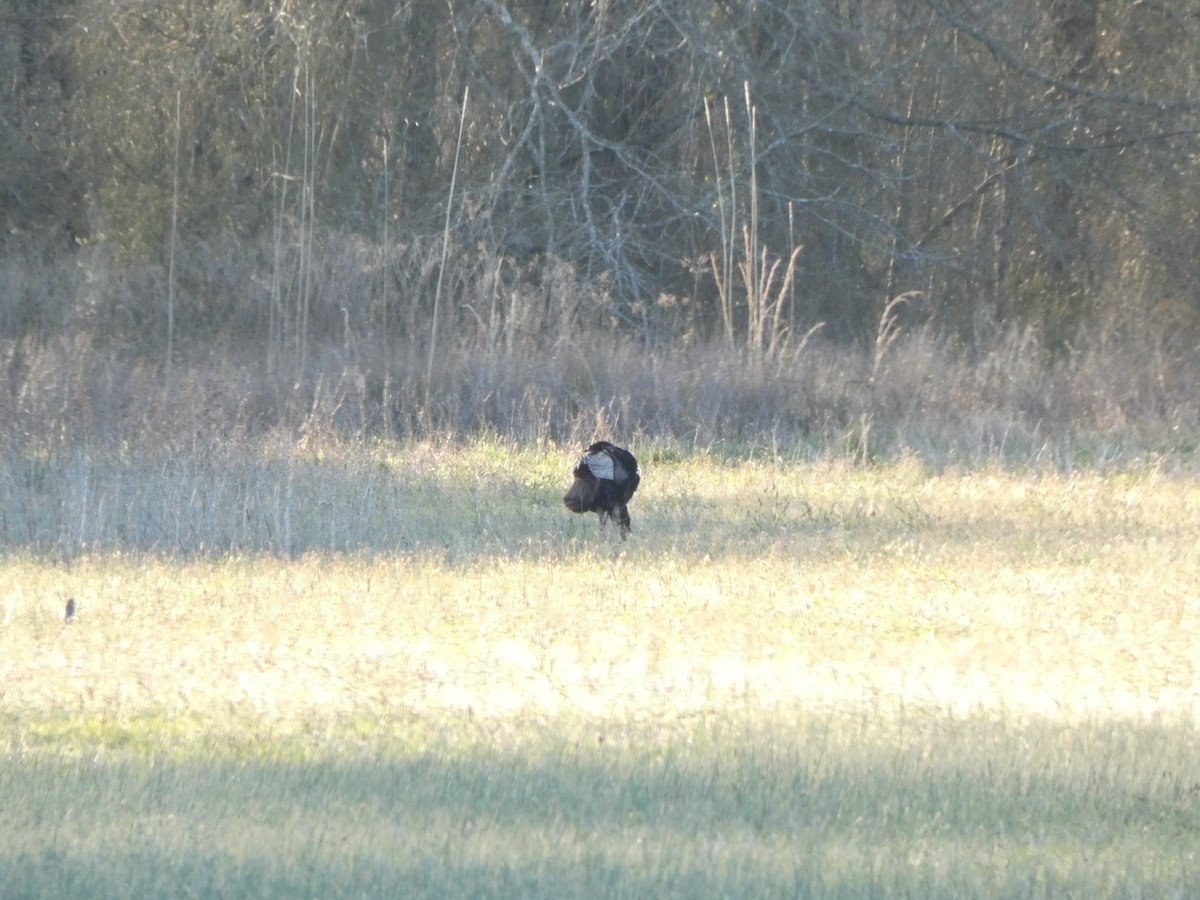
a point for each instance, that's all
(831, 806)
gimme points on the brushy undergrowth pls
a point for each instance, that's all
(537, 354)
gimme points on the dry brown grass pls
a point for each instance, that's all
(533, 353)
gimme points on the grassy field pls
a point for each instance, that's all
(407, 671)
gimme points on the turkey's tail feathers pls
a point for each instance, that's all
(581, 495)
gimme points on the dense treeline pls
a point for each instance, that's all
(740, 171)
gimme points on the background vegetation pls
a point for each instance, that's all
(708, 220)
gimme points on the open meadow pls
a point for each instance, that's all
(308, 309)
(405, 670)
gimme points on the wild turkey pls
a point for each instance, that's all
(605, 480)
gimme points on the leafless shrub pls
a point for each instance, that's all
(533, 352)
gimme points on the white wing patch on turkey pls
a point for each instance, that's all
(604, 466)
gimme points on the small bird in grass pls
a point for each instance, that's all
(70, 612)
(605, 479)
